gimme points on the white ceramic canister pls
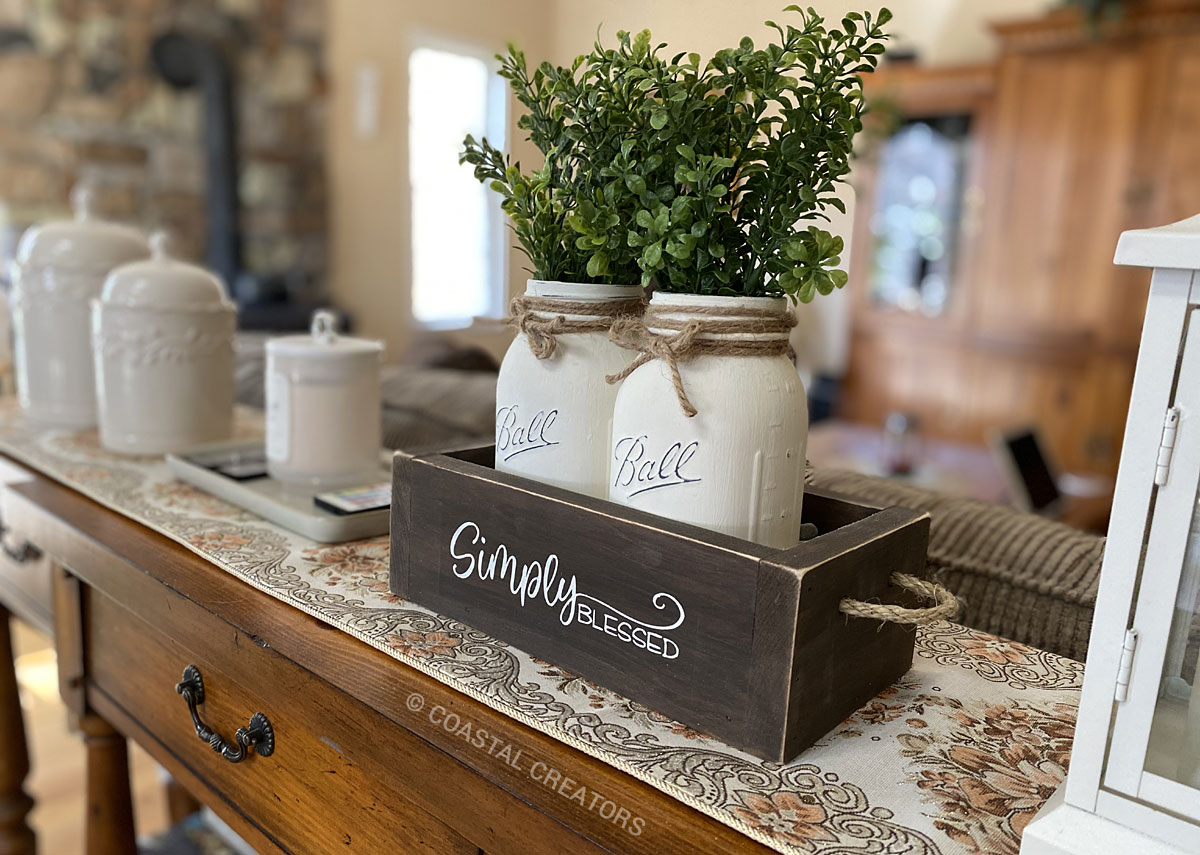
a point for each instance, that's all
(162, 334)
(737, 466)
(59, 269)
(324, 411)
(554, 415)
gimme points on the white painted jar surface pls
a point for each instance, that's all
(59, 269)
(324, 408)
(737, 467)
(162, 335)
(554, 416)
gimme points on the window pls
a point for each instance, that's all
(918, 204)
(457, 226)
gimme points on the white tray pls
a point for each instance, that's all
(289, 507)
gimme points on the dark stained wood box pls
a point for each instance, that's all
(734, 639)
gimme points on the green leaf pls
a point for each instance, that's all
(641, 44)
(597, 265)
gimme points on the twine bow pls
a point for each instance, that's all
(528, 315)
(689, 338)
(632, 334)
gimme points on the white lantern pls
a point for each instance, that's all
(1134, 783)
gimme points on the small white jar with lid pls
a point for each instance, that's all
(59, 269)
(554, 413)
(162, 334)
(324, 412)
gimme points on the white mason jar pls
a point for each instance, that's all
(554, 415)
(162, 334)
(324, 407)
(737, 466)
(59, 269)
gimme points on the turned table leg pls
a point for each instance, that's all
(109, 803)
(180, 803)
(16, 837)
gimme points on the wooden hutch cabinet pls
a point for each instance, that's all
(1074, 134)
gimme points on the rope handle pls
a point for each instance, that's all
(946, 603)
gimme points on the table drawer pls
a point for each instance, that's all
(25, 583)
(24, 569)
(308, 796)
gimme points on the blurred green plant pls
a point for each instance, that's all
(1096, 12)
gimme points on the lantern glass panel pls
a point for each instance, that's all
(1155, 747)
(1174, 749)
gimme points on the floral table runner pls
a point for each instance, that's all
(956, 757)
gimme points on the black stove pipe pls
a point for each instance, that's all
(186, 61)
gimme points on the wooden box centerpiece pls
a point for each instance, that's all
(738, 640)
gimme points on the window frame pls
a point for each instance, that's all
(497, 127)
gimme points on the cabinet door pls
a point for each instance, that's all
(1066, 129)
(1174, 128)
(921, 376)
(1075, 401)
(1155, 754)
(1164, 183)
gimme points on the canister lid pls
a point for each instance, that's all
(323, 342)
(85, 243)
(163, 282)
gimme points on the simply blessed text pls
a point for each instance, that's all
(540, 583)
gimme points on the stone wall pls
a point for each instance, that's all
(79, 99)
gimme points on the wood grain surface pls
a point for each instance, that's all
(739, 640)
(264, 655)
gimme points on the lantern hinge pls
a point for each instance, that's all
(1126, 666)
(1166, 446)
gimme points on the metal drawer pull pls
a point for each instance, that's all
(258, 735)
(19, 554)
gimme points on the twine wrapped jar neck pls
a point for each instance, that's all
(551, 309)
(678, 328)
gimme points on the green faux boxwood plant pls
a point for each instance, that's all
(570, 214)
(704, 178)
(758, 140)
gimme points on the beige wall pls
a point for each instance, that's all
(369, 183)
(943, 31)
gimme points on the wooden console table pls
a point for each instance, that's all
(363, 760)
(24, 594)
